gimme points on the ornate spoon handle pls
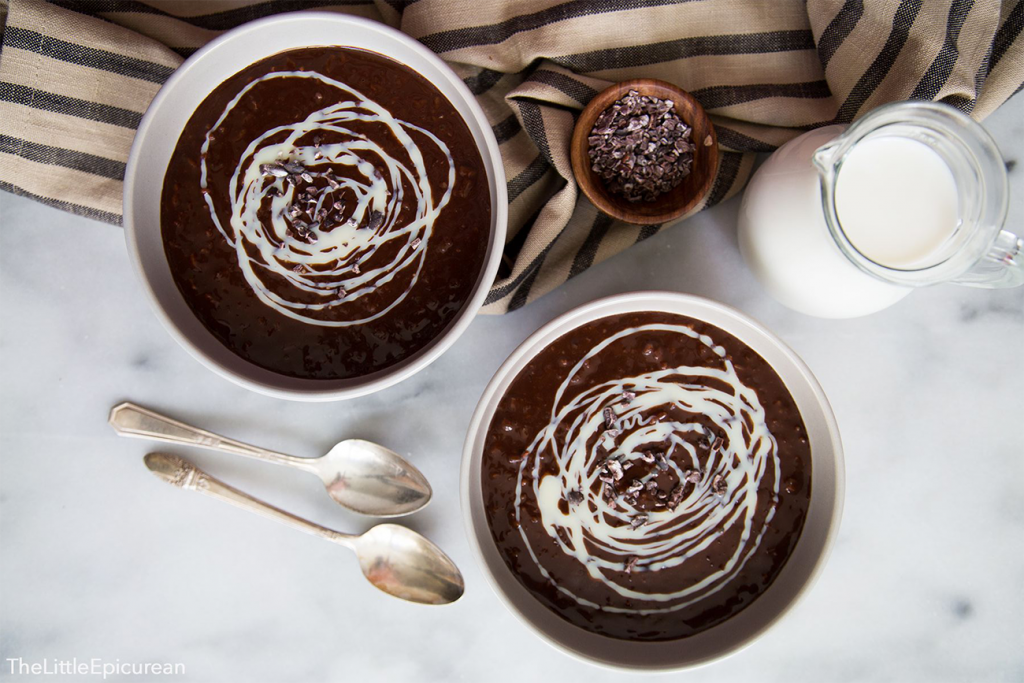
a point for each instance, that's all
(129, 419)
(185, 475)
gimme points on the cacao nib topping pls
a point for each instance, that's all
(376, 218)
(661, 462)
(692, 476)
(631, 564)
(608, 494)
(574, 497)
(273, 170)
(719, 486)
(611, 468)
(638, 521)
(640, 147)
(305, 233)
(675, 497)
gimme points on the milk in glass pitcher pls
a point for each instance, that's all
(844, 221)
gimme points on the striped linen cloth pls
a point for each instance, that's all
(76, 76)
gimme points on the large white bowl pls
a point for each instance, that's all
(800, 571)
(159, 132)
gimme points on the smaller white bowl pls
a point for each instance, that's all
(159, 132)
(797, 575)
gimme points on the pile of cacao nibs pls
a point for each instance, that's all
(317, 204)
(640, 147)
(314, 206)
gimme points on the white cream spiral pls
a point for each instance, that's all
(577, 443)
(332, 265)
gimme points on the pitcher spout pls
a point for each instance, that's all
(824, 157)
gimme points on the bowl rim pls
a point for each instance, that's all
(578, 153)
(648, 300)
(314, 389)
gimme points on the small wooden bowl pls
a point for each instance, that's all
(672, 204)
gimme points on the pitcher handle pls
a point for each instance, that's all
(1001, 266)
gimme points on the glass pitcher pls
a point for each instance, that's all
(792, 236)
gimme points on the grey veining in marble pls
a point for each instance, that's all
(100, 559)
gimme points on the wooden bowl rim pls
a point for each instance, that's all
(585, 178)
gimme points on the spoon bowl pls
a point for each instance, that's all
(372, 480)
(404, 564)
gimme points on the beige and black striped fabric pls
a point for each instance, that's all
(76, 76)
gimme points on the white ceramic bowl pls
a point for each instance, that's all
(159, 132)
(800, 571)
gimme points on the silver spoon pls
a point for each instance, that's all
(360, 475)
(396, 560)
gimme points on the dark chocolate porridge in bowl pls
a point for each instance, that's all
(325, 213)
(645, 476)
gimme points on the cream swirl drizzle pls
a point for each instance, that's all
(669, 537)
(332, 265)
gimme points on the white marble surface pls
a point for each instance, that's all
(100, 559)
